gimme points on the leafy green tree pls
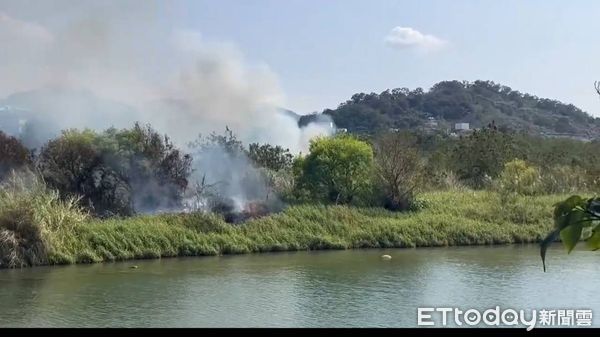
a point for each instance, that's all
(117, 171)
(271, 157)
(67, 162)
(337, 169)
(398, 167)
(155, 169)
(274, 164)
(13, 154)
(481, 156)
(359, 118)
(449, 100)
(227, 142)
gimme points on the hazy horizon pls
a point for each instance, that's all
(295, 54)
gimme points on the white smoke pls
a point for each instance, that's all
(177, 80)
(80, 64)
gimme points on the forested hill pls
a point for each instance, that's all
(449, 102)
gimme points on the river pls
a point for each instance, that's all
(353, 288)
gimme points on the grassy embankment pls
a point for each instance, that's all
(36, 228)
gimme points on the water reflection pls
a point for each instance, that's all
(306, 289)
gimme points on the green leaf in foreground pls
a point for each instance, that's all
(570, 217)
(593, 242)
(570, 235)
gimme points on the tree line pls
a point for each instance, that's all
(122, 172)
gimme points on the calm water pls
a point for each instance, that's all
(303, 289)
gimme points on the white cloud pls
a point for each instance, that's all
(408, 38)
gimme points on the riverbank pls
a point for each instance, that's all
(449, 218)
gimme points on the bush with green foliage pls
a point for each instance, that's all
(271, 157)
(275, 166)
(518, 178)
(337, 169)
(480, 156)
(398, 169)
(13, 155)
(117, 171)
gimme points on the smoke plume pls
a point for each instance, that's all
(96, 64)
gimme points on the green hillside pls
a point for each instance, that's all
(449, 102)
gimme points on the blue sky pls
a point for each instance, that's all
(324, 51)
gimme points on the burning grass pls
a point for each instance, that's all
(252, 210)
(37, 228)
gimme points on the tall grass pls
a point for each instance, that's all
(33, 220)
(37, 228)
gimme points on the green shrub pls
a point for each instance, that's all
(336, 170)
(480, 157)
(398, 169)
(13, 155)
(519, 178)
(117, 171)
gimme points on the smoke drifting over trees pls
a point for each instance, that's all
(128, 55)
(113, 63)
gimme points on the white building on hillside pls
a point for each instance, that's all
(461, 126)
